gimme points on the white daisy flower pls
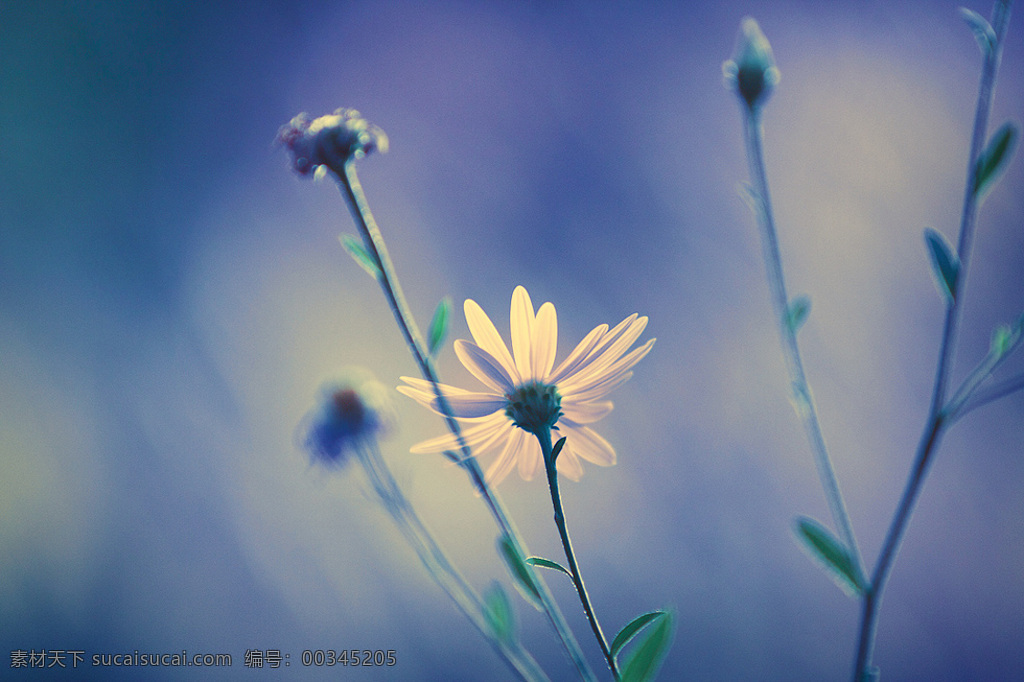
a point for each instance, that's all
(525, 395)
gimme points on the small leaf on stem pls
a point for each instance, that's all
(797, 313)
(557, 449)
(643, 663)
(499, 614)
(992, 161)
(832, 554)
(630, 630)
(360, 255)
(983, 31)
(547, 563)
(945, 264)
(439, 325)
(524, 579)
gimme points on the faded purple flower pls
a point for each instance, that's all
(330, 140)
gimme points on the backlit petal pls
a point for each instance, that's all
(588, 444)
(568, 464)
(545, 341)
(473, 404)
(472, 437)
(504, 462)
(487, 337)
(484, 366)
(522, 332)
(530, 459)
(586, 413)
(583, 348)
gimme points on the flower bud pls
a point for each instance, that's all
(751, 71)
(330, 140)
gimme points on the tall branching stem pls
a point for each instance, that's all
(544, 438)
(801, 391)
(374, 241)
(445, 574)
(863, 667)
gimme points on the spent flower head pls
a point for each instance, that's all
(527, 394)
(751, 71)
(330, 140)
(349, 412)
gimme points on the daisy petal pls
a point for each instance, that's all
(487, 337)
(530, 458)
(586, 380)
(484, 366)
(568, 464)
(586, 413)
(503, 464)
(602, 388)
(582, 349)
(545, 341)
(603, 358)
(472, 405)
(473, 437)
(522, 332)
(588, 444)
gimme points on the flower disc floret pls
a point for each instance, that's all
(534, 407)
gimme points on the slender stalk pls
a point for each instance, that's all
(987, 395)
(374, 241)
(863, 667)
(544, 438)
(445, 574)
(794, 363)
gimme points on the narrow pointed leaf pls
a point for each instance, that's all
(643, 662)
(525, 582)
(499, 614)
(557, 449)
(831, 554)
(630, 630)
(439, 325)
(992, 161)
(983, 31)
(797, 314)
(945, 264)
(548, 563)
(360, 255)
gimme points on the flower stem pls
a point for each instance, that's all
(803, 401)
(437, 563)
(863, 668)
(374, 241)
(544, 438)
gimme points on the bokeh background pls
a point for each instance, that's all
(171, 297)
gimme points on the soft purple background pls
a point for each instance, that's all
(171, 296)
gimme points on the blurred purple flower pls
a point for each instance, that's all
(349, 413)
(330, 140)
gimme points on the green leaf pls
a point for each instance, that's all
(439, 325)
(645, 659)
(557, 449)
(945, 264)
(548, 563)
(983, 31)
(499, 614)
(991, 161)
(630, 630)
(360, 255)
(797, 313)
(1002, 340)
(832, 554)
(524, 579)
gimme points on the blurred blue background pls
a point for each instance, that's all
(171, 296)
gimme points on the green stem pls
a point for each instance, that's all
(374, 241)
(544, 438)
(794, 363)
(863, 667)
(434, 559)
